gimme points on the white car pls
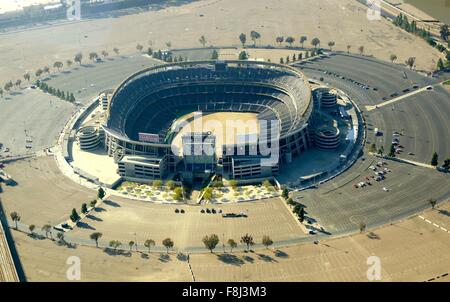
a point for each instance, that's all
(385, 189)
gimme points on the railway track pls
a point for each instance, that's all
(8, 272)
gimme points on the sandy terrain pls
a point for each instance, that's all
(412, 250)
(220, 22)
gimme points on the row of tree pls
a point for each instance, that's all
(66, 96)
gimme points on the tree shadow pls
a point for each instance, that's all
(112, 252)
(281, 254)
(92, 217)
(182, 257)
(230, 259)
(164, 257)
(372, 235)
(145, 256)
(444, 212)
(248, 259)
(111, 203)
(266, 258)
(99, 209)
(84, 225)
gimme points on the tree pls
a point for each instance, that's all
(331, 44)
(373, 148)
(233, 184)
(93, 203)
(93, 56)
(211, 242)
(1, 92)
(60, 236)
(149, 243)
(104, 53)
(38, 72)
(301, 214)
(279, 40)
(101, 193)
(243, 39)
(266, 184)
(440, 64)
(315, 42)
(266, 241)
(247, 240)
(432, 202)
(69, 63)
(46, 69)
(393, 58)
(361, 50)
(8, 86)
(285, 193)
(78, 58)
(444, 32)
(410, 62)
(15, 217)
(116, 51)
(446, 164)
(74, 216)
(168, 244)
(130, 244)
(281, 61)
(208, 194)
(434, 159)
(31, 227)
(84, 209)
(232, 244)
(255, 36)
(348, 48)
(114, 244)
(362, 227)
(290, 40)
(243, 55)
(139, 47)
(392, 151)
(157, 184)
(303, 39)
(215, 55)
(18, 82)
(96, 236)
(58, 65)
(178, 193)
(202, 41)
(27, 77)
(47, 229)
(381, 151)
(170, 184)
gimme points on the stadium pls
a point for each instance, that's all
(145, 111)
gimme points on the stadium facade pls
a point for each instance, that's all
(141, 113)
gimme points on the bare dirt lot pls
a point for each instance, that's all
(220, 22)
(412, 250)
(120, 219)
(42, 194)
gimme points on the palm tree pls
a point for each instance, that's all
(27, 77)
(149, 243)
(331, 44)
(15, 217)
(315, 42)
(232, 244)
(393, 58)
(303, 40)
(247, 240)
(47, 229)
(348, 48)
(243, 39)
(279, 40)
(255, 36)
(96, 236)
(202, 40)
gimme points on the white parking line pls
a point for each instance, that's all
(427, 221)
(434, 224)
(444, 229)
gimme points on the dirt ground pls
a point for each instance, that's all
(411, 250)
(220, 22)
